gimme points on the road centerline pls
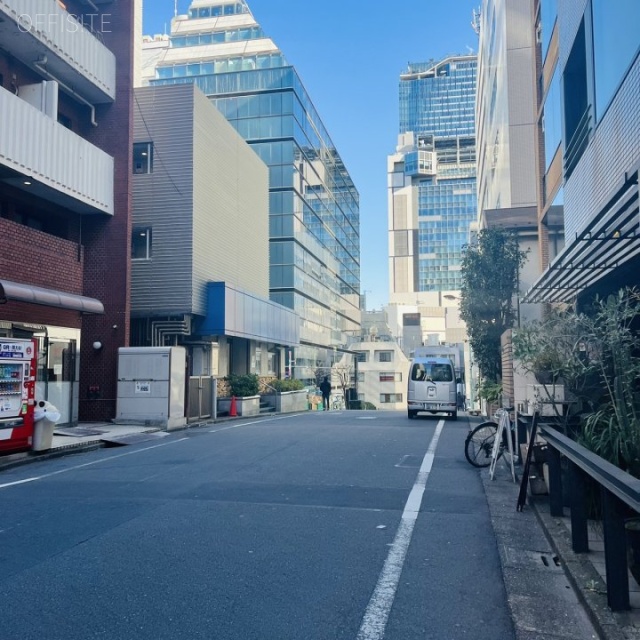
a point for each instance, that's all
(376, 615)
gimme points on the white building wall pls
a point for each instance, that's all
(402, 210)
(371, 388)
(230, 205)
(154, 49)
(506, 120)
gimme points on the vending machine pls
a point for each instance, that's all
(17, 390)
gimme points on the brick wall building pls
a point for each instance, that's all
(66, 92)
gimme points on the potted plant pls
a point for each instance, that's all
(491, 392)
(244, 388)
(612, 428)
(557, 352)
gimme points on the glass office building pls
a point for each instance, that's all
(433, 177)
(314, 205)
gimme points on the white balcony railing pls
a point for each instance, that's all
(37, 147)
(41, 30)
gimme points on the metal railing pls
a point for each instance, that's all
(617, 488)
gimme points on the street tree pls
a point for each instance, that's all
(490, 274)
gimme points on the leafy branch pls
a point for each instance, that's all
(490, 275)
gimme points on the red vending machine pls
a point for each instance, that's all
(17, 391)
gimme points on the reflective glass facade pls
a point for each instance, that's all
(615, 45)
(314, 205)
(437, 104)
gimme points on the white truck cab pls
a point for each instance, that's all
(432, 387)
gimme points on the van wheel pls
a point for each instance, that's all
(411, 414)
(454, 415)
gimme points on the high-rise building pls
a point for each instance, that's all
(200, 245)
(432, 180)
(314, 220)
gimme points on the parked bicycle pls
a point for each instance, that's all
(479, 444)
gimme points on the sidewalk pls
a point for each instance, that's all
(553, 592)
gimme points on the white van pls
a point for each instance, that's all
(432, 387)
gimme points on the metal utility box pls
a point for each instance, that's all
(151, 386)
(547, 400)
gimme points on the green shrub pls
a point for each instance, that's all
(291, 384)
(243, 386)
(491, 391)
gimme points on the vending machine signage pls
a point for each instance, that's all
(17, 391)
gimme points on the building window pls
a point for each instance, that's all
(552, 119)
(65, 121)
(548, 17)
(390, 376)
(257, 362)
(362, 356)
(615, 46)
(577, 106)
(272, 363)
(389, 398)
(384, 356)
(141, 244)
(143, 157)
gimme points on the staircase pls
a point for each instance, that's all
(266, 408)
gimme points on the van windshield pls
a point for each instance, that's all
(433, 371)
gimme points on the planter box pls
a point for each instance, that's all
(287, 401)
(249, 406)
(292, 401)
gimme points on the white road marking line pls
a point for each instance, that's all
(88, 464)
(129, 453)
(376, 616)
(245, 424)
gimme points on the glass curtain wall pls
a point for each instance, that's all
(437, 104)
(314, 205)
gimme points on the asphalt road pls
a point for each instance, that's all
(339, 525)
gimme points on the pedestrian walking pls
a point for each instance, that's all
(325, 389)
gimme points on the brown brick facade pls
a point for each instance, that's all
(107, 241)
(45, 245)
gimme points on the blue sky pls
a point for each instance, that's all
(349, 54)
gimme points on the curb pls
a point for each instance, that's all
(22, 459)
(542, 599)
(585, 580)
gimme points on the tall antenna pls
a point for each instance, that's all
(175, 9)
(476, 21)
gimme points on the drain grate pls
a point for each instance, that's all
(550, 561)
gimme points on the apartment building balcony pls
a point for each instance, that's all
(47, 38)
(48, 160)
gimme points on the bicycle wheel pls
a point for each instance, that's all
(479, 444)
